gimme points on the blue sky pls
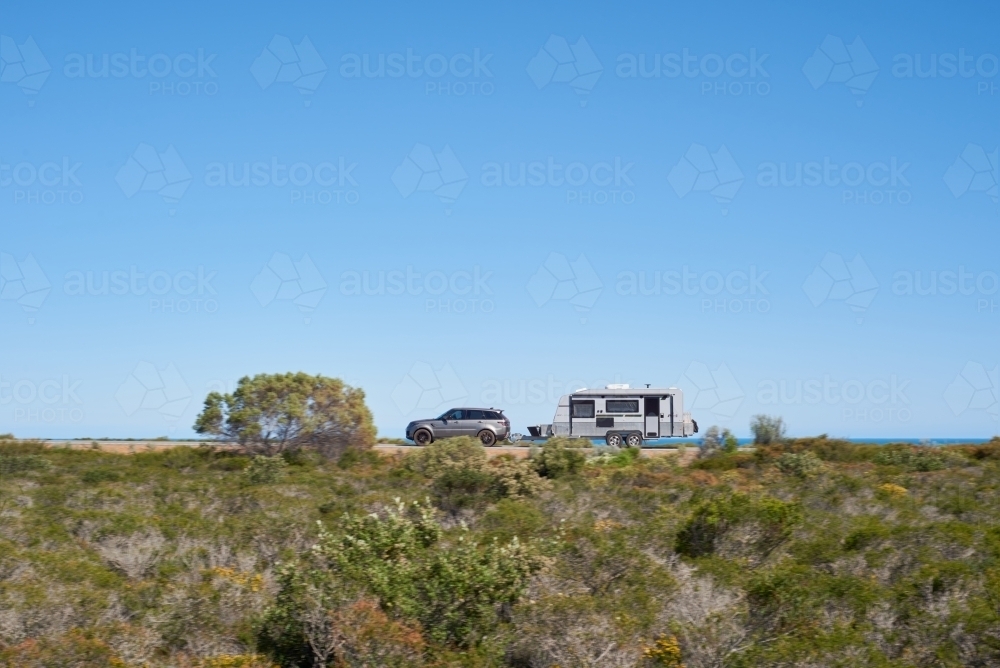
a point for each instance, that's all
(660, 234)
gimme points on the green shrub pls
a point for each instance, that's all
(515, 478)
(265, 470)
(454, 589)
(988, 450)
(462, 487)
(866, 531)
(827, 449)
(228, 462)
(356, 457)
(618, 457)
(461, 452)
(12, 446)
(919, 458)
(714, 518)
(559, 457)
(511, 518)
(96, 476)
(802, 465)
(15, 464)
(724, 462)
(463, 477)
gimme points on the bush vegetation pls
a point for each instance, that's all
(804, 552)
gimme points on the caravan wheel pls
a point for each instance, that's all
(613, 440)
(634, 440)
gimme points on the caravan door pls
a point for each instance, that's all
(651, 411)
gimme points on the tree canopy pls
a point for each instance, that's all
(275, 413)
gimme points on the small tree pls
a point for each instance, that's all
(274, 413)
(730, 443)
(767, 429)
(716, 442)
(711, 442)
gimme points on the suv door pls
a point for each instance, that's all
(451, 423)
(474, 422)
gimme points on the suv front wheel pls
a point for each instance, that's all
(423, 437)
(487, 437)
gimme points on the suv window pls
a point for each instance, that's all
(493, 415)
(454, 415)
(475, 415)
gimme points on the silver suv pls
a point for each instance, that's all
(489, 425)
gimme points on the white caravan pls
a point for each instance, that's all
(620, 414)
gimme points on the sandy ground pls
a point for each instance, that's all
(388, 449)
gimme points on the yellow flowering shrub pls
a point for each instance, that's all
(665, 651)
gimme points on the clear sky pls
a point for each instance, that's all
(787, 208)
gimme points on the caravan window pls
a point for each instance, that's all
(582, 409)
(622, 406)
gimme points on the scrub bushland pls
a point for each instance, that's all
(806, 552)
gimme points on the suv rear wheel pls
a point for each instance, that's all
(423, 437)
(487, 437)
